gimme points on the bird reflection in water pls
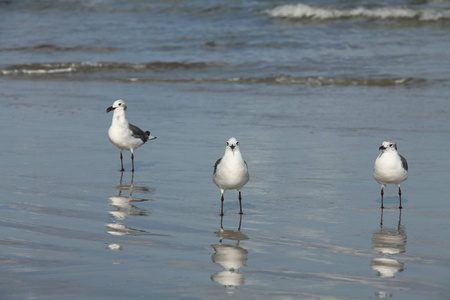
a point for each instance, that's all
(124, 208)
(388, 242)
(231, 256)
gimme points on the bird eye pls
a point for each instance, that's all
(390, 145)
(228, 144)
(237, 143)
(120, 104)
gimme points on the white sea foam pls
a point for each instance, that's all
(37, 71)
(302, 11)
(51, 71)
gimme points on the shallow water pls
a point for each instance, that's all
(309, 126)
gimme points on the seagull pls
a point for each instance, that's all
(230, 171)
(124, 135)
(390, 168)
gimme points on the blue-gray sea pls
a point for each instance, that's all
(310, 89)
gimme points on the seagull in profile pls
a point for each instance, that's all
(124, 135)
(390, 168)
(231, 171)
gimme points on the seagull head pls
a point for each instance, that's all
(388, 146)
(233, 144)
(120, 104)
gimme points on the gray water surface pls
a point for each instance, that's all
(310, 100)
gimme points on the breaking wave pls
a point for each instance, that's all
(182, 72)
(48, 48)
(317, 81)
(90, 67)
(302, 11)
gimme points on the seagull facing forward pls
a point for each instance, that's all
(390, 168)
(124, 135)
(230, 171)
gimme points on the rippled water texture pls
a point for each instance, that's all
(310, 89)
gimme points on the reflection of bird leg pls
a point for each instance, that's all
(240, 222)
(120, 183)
(381, 219)
(221, 209)
(132, 183)
(121, 177)
(240, 203)
(399, 220)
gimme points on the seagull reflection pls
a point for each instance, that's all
(119, 229)
(388, 241)
(124, 208)
(231, 256)
(130, 187)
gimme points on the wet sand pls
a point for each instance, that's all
(73, 227)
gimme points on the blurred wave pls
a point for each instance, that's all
(120, 6)
(48, 48)
(152, 72)
(86, 67)
(303, 11)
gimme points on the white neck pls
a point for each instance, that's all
(233, 154)
(119, 116)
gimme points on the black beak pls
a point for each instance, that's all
(382, 148)
(232, 147)
(110, 109)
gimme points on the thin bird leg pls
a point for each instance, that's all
(221, 209)
(132, 161)
(121, 161)
(400, 197)
(240, 203)
(382, 194)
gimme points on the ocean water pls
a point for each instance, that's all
(310, 89)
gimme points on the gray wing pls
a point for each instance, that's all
(138, 133)
(404, 163)
(215, 166)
